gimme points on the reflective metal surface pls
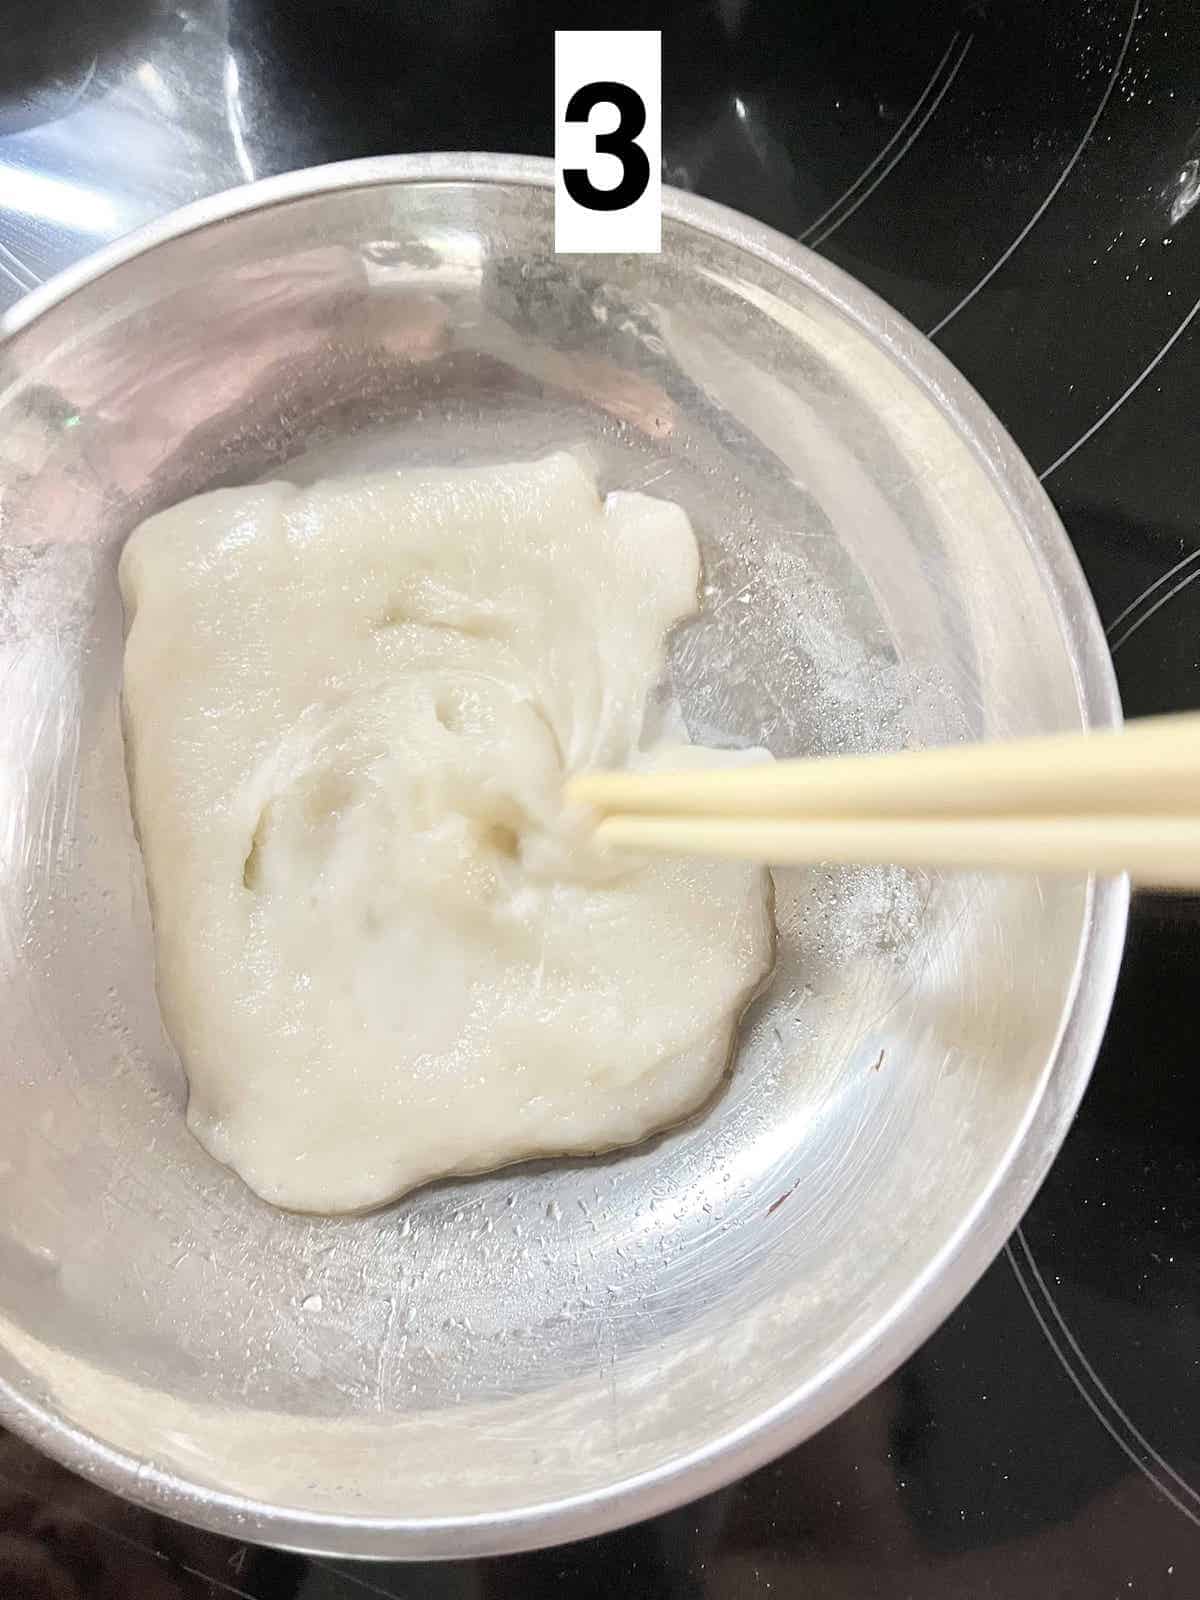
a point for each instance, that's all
(556, 1349)
(110, 116)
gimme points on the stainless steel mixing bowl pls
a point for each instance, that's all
(549, 1351)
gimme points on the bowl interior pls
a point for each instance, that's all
(555, 1330)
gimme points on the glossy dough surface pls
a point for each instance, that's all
(384, 953)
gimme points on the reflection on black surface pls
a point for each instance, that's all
(51, 49)
(64, 1539)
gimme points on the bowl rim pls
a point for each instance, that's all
(981, 1233)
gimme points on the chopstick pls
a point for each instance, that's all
(1125, 800)
(1163, 852)
(1148, 766)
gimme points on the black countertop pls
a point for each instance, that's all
(1018, 179)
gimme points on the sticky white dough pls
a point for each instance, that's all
(385, 953)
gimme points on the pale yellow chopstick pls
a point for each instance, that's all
(1150, 766)
(1124, 800)
(1163, 852)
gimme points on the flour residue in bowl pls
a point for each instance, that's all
(385, 952)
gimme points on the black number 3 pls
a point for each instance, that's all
(635, 166)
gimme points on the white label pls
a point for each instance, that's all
(608, 141)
